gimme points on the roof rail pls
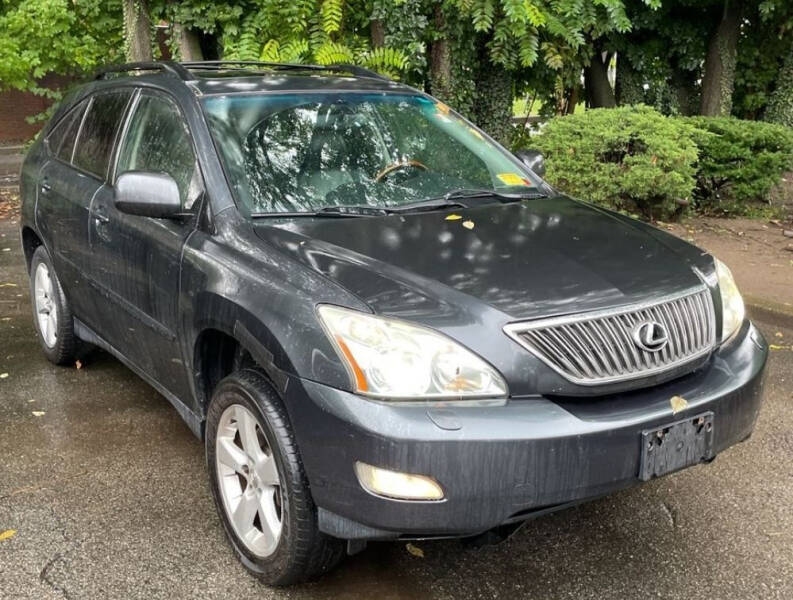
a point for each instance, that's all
(221, 64)
(172, 68)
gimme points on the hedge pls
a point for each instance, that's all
(636, 160)
(739, 162)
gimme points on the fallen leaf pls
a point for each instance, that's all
(3, 375)
(778, 347)
(8, 284)
(453, 217)
(415, 550)
(39, 413)
(678, 403)
(468, 224)
(6, 249)
(7, 534)
(78, 364)
(779, 334)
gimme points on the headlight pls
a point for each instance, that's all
(392, 359)
(733, 311)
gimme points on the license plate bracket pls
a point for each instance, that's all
(675, 446)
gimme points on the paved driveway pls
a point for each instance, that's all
(106, 491)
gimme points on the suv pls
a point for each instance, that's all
(382, 324)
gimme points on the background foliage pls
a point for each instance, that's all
(629, 158)
(740, 161)
(560, 56)
(637, 160)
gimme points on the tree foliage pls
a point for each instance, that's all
(38, 37)
(476, 55)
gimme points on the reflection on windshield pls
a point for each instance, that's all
(306, 152)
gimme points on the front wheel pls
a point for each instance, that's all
(259, 486)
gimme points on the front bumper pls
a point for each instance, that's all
(499, 464)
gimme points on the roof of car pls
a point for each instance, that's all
(230, 77)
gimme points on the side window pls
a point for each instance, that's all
(158, 140)
(95, 143)
(61, 140)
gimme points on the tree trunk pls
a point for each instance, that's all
(780, 105)
(598, 89)
(684, 86)
(137, 31)
(572, 100)
(440, 59)
(377, 32)
(492, 110)
(629, 85)
(189, 43)
(719, 77)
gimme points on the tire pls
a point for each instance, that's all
(52, 315)
(301, 552)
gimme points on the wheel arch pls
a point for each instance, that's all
(30, 241)
(222, 345)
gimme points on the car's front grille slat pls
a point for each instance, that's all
(602, 347)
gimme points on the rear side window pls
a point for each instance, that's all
(95, 143)
(61, 140)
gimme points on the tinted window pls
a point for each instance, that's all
(158, 141)
(61, 140)
(95, 143)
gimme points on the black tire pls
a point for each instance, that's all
(64, 350)
(303, 552)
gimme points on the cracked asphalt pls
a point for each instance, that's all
(106, 491)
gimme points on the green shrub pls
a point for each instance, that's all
(629, 158)
(739, 162)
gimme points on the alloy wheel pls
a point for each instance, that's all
(46, 306)
(248, 480)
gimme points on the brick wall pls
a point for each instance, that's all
(15, 106)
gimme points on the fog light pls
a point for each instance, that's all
(392, 484)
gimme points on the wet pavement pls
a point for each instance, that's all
(105, 488)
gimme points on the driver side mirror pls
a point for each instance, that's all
(148, 195)
(532, 159)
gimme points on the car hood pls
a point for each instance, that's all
(535, 258)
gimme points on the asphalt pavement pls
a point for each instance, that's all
(103, 494)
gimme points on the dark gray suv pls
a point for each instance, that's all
(382, 324)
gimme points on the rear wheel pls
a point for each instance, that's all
(259, 486)
(52, 314)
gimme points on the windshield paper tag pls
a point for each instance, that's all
(513, 179)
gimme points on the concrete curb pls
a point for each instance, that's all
(769, 311)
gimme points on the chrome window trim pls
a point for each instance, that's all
(515, 329)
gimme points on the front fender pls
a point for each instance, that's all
(251, 292)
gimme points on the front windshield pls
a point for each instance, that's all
(299, 153)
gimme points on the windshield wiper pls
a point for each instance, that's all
(465, 193)
(422, 205)
(437, 203)
(343, 211)
(364, 210)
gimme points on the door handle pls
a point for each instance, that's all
(45, 187)
(101, 218)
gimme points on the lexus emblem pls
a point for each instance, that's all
(650, 336)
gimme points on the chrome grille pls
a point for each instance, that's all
(599, 347)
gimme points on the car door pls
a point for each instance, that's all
(137, 258)
(79, 148)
